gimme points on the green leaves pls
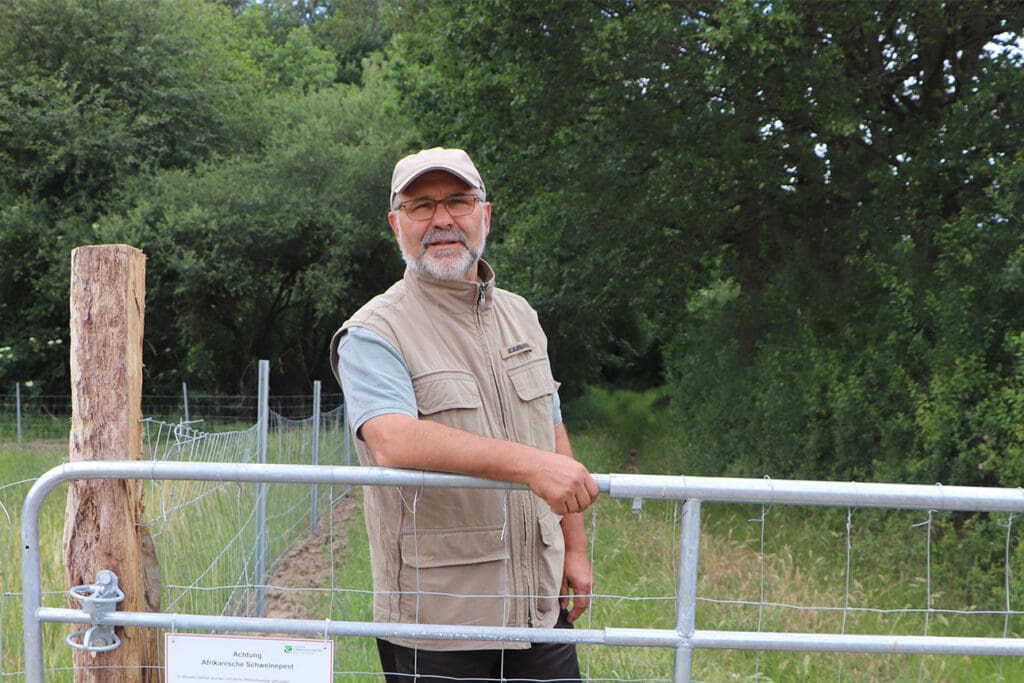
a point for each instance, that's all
(844, 172)
(802, 217)
(215, 142)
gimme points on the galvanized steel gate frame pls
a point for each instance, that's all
(685, 638)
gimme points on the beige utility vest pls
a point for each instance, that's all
(478, 361)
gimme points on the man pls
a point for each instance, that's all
(446, 372)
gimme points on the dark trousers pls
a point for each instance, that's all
(552, 662)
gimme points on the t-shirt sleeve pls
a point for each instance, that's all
(556, 407)
(374, 378)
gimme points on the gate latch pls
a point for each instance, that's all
(97, 600)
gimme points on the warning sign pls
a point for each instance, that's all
(191, 658)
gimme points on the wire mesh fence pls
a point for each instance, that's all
(213, 569)
(214, 548)
(26, 417)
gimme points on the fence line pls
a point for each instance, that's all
(237, 569)
(242, 562)
(25, 416)
(691, 491)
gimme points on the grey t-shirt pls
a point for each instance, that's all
(376, 381)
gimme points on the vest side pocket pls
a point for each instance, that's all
(551, 562)
(448, 576)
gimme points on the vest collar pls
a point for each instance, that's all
(456, 296)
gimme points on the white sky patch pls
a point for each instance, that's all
(1009, 45)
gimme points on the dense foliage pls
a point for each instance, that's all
(800, 221)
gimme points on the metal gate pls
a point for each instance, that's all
(685, 638)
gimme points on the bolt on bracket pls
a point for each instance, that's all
(98, 600)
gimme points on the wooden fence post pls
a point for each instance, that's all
(101, 523)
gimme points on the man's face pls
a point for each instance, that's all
(444, 246)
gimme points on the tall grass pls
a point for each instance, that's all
(340, 589)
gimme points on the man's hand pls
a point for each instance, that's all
(563, 482)
(577, 582)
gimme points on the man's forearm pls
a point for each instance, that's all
(573, 527)
(577, 574)
(401, 441)
(575, 533)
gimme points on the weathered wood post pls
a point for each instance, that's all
(100, 526)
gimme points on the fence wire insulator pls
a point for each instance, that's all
(98, 600)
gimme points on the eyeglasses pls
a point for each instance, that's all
(423, 209)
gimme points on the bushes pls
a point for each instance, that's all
(835, 412)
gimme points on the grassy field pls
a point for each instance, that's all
(745, 583)
(801, 561)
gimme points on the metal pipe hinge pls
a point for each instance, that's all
(98, 600)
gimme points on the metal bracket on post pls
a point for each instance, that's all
(97, 600)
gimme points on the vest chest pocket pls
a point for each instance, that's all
(535, 387)
(449, 396)
(532, 380)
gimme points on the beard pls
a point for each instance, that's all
(451, 262)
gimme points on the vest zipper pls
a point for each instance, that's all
(522, 585)
(502, 407)
(529, 522)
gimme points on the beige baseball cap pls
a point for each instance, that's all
(454, 161)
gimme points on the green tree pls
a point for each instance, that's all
(92, 94)
(326, 39)
(263, 256)
(216, 138)
(806, 208)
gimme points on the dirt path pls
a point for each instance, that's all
(308, 563)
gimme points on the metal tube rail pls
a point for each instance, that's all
(629, 486)
(686, 604)
(624, 637)
(805, 492)
(651, 487)
(322, 627)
